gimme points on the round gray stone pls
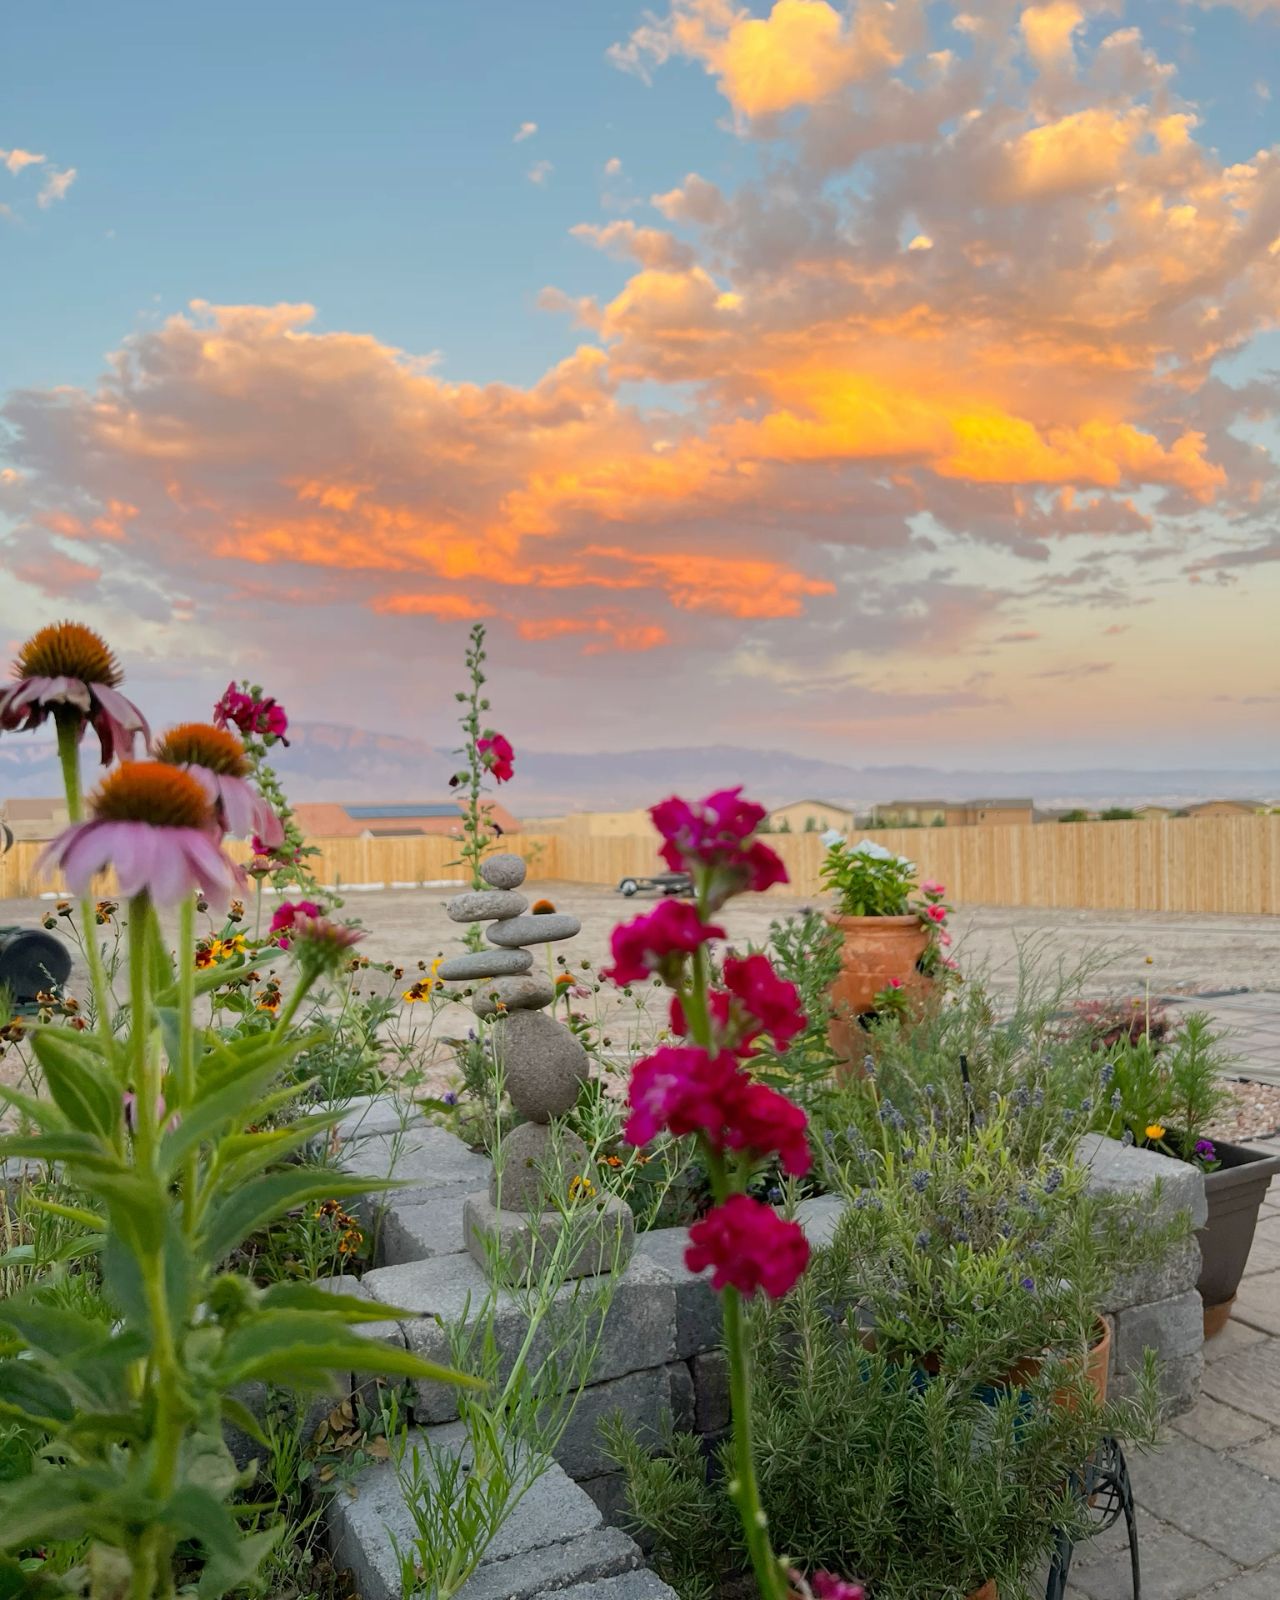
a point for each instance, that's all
(485, 964)
(528, 993)
(482, 905)
(533, 1159)
(543, 1064)
(503, 871)
(516, 931)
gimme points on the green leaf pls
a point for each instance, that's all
(307, 1297)
(288, 1347)
(238, 1414)
(86, 1219)
(236, 1103)
(29, 1392)
(62, 1502)
(206, 978)
(248, 1208)
(83, 1150)
(137, 1206)
(53, 1330)
(17, 1583)
(231, 1558)
(87, 1095)
(43, 1113)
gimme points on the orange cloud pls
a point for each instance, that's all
(444, 607)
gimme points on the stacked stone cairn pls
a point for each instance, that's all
(543, 1066)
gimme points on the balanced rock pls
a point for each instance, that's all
(482, 904)
(528, 993)
(503, 871)
(516, 931)
(484, 964)
(534, 1159)
(543, 1064)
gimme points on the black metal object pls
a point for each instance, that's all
(1105, 1487)
(31, 961)
(666, 883)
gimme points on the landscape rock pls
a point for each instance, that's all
(503, 871)
(551, 925)
(529, 992)
(533, 1157)
(484, 964)
(424, 1160)
(699, 1325)
(1167, 1185)
(509, 1243)
(482, 905)
(421, 1229)
(543, 1062)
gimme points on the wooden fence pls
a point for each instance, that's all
(1222, 865)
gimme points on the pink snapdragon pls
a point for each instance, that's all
(682, 1089)
(498, 756)
(250, 714)
(748, 1247)
(287, 914)
(649, 943)
(826, 1586)
(770, 1003)
(714, 835)
(935, 913)
(763, 1122)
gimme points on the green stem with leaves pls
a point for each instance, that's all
(70, 725)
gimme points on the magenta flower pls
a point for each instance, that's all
(647, 944)
(714, 836)
(935, 891)
(936, 913)
(497, 754)
(152, 823)
(318, 942)
(748, 1246)
(216, 759)
(770, 1002)
(66, 668)
(762, 1121)
(287, 913)
(681, 1088)
(250, 714)
(826, 1586)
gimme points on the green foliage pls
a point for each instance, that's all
(805, 950)
(477, 828)
(869, 881)
(1176, 1087)
(922, 1487)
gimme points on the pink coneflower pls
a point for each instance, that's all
(152, 823)
(67, 670)
(319, 942)
(216, 759)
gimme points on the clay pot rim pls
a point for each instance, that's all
(840, 919)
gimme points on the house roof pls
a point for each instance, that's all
(320, 819)
(998, 804)
(33, 810)
(826, 805)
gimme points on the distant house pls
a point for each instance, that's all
(594, 824)
(328, 820)
(1154, 813)
(812, 816)
(953, 813)
(1226, 808)
(34, 819)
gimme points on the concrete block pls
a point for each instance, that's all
(643, 1398)
(516, 1241)
(638, 1328)
(631, 1586)
(423, 1159)
(1168, 1186)
(712, 1409)
(1174, 1566)
(1169, 1275)
(368, 1114)
(1211, 1498)
(1249, 1382)
(418, 1230)
(588, 1564)
(609, 1492)
(699, 1325)
(1172, 1328)
(818, 1218)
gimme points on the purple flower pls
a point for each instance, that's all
(449, 1097)
(1205, 1150)
(216, 759)
(1029, 1284)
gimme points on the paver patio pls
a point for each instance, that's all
(1253, 1020)
(1209, 1498)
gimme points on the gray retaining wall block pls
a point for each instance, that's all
(1170, 1186)
(1172, 1275)
(712, 1407)
(1174, 1329)
(590, 1563)
(639, 1329)
(424, 1159)
(698, 1320)
(644, 1398)
(421, 1229)
(367, 1115)
(519, 1239)
(818, 1218)
(632, 1586)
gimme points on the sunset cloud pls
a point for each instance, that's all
(16, 159)
(55, 186)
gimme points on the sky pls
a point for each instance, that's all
(880, 381)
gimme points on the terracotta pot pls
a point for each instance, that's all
(1233, 1192)
(875, 949)
(1097, 1367)
(987, 1591)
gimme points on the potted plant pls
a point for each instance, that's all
(1164, 1096)
(892, 935)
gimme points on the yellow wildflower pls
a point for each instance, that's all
(1155, 1130)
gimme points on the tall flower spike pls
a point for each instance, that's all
(153, 824)
(68, 667)
(216, 759)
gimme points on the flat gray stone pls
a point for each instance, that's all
(631, 1586)
(818, 1218)
(515, 1243)
(366, 1115)
(543, 1063)
(1211, 1498)
(609, 1491)
(553, 1512)
(1236, 1336)
(1168, 1186)
(1174, 1567)
(1172, 1273)
(1263, 1455)
(712, 1406)
(1172, 1328)
(1258, 1302)
(589, 1563)
(1211, 1419)
(644, 1398)
(1264, 1254)
(484, 964)
(503, 871)
(544, 929)
(1263, 1583)
(1249, 1381)
(638, 1328)
(537, 1161)
(485, 905)
(529, 992)
(424, 1160)
(422, 1229)
(699, 1323)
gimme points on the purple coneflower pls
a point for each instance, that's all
(216, 759)
(153, 824)
(67, 671)
(320, 942)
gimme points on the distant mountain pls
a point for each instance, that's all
(327, 761)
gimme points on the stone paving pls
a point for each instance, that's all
(1209, 1498)
(1252, 1020)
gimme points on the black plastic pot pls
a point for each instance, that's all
(1234, 1191)
(30, 961)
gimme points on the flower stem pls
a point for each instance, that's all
(186, 1073)
(743, 1488)
(69, 726)
(144, 1090)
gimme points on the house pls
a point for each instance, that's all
(1154, 813)
(594, 824)
(953, 813)
(328, 820)
(1226, 808)
(812, 816)
(34, 819)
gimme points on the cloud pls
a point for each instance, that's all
(55, 187)
(540, 172)
(16, 159)
(651, 247)
(613, 166)
(526, 130)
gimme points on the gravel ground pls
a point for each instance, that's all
(1255, 1115)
